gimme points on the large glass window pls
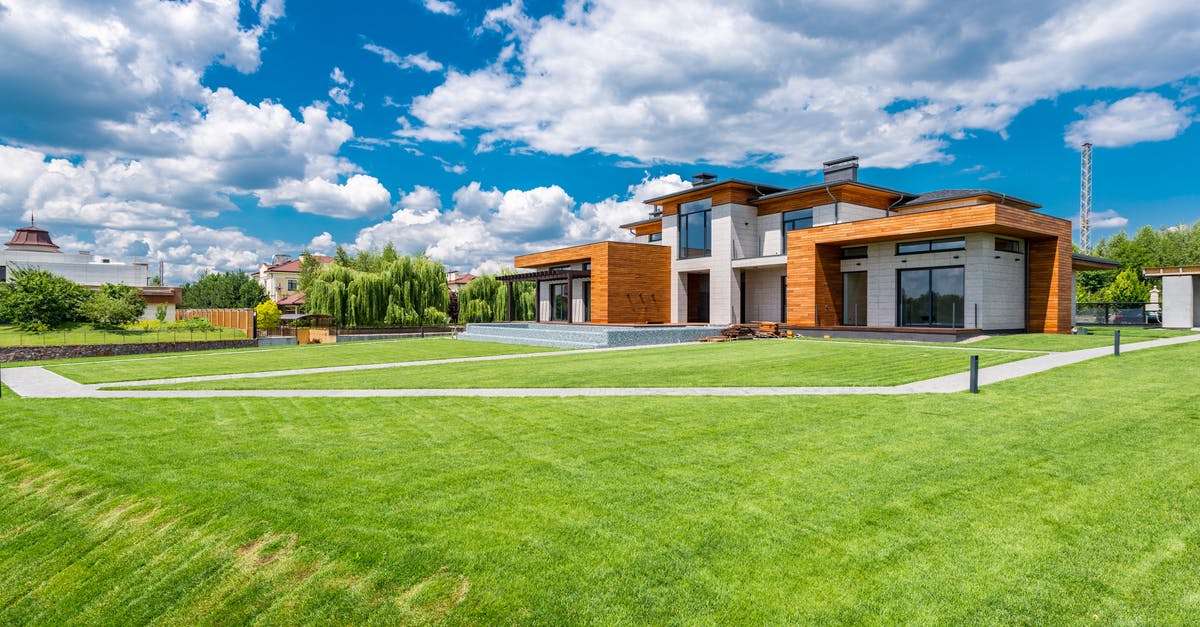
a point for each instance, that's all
(931, 246)
(932, 297)
(695, 229)
(798, 219)
(559, 305)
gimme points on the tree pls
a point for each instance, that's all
(342, 258)
(1128, 287)
(268, 315)
(36, 298)
(223, 290)
(485, 299)
(113, 305)
(310, 266)
(400, 293)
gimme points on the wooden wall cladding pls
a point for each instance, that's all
(814, 272)
(865, 196)
(722, 194)
(648, 229)
(631, 283)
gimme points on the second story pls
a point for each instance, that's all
(281, 277)
(718, 221)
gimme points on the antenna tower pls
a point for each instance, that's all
(1085, 198)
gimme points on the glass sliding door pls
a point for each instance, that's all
(854, 299)
(558, 302)
(932, 297)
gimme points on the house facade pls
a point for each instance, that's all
(840, 253)
(281, 279)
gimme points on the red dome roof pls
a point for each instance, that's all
(34, 237)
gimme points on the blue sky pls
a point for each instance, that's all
(211, 135)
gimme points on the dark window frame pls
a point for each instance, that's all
(695, 210)
(795, 220)
(900, 298)
(1015, 243)
(846, 254)
(656, 237)
(927, 246)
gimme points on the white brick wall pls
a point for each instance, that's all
(996, 286)
(764, 294)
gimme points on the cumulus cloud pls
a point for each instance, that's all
(442, 7)
(1147, 116)
(340, 92)
(483, 229)
(1108, 219)
(420, 60)
(787, 85)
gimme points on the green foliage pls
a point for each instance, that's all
(1128, 287)
(310, 266)
(397, 294)
(36, 299)
(268, 315)
(160, 314)
(485, 299)
(342, 258)
(223, 290)
(1173, 246)
(113, 306)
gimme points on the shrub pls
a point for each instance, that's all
(160, 314)
(113, 306)
(36, 298)
(268, 315)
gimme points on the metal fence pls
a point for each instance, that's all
(1133, 314)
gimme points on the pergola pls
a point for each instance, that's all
(540, 277)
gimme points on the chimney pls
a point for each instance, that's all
(704, 178)
(280, 258)
(844, 169)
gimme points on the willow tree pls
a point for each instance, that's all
(485, 299)
(407, 292)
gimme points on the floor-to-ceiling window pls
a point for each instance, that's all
(793, 220)
(932, 297)
(695, 228)
(587, 301)
(854, 298)
(559, 305)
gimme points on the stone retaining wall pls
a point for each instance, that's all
(10, 354)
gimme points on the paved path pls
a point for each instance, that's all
(37, 382)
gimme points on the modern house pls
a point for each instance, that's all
(835, 254)
(32, 247)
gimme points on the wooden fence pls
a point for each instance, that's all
(241, 319)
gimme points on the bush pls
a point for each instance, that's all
(113, 306)
(160, 314)
(36, 298)
(268, 315)
(432, 317)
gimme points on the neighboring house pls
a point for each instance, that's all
(32, 247)
(832, 254)
(455, 281)
(281, 280)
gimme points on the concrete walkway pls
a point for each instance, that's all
(37, 382)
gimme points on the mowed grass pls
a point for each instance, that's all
(281, 358)
(1067, 497)
(770, 363)
(88, 334)
(1096, 337)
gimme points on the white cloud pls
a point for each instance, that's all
(442, 7)
(322, 244)
(1142, 117)
(485, 228)
(420, 60)
(1108, 219)
(340, 92)
(361, 195)
(787, 85)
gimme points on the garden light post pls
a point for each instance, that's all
(974, 374)
(1117, 343)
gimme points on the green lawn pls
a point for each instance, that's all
(1069, 497)
(173, 365)
(773, 363)
(88, 334)
(1097, 336)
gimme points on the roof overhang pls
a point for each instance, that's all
(545, 275)
(1162, 271)
(1088, 262)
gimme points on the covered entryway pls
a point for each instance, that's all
(697, 297)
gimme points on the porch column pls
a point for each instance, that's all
(570, 300)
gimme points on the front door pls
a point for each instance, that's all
(558, 302)
(854, 299)
(697, 298)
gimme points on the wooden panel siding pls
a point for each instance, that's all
(648, 229)
(864, 196)
(721, 194)
(630, 282)
(814, 275)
